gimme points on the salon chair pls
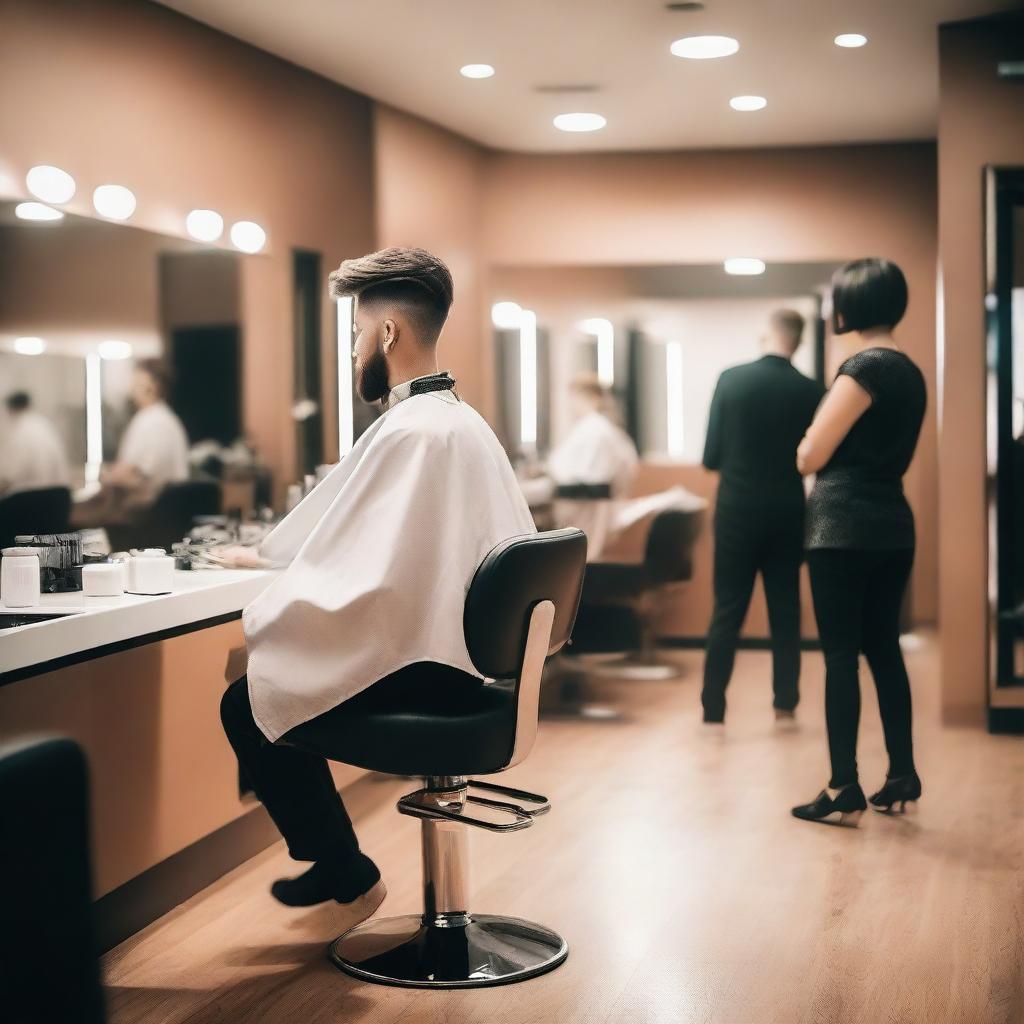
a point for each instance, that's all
(621, 599)
(49, 970)
(40, 510)
(169, 518)
(519, 610)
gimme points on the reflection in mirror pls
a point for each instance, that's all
(120, 357)
(656, 338)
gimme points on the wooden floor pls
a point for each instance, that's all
(670, 862)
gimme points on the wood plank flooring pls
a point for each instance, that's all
(671, 864)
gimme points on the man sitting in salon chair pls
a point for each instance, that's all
(379, 560)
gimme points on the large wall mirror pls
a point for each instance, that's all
(100, 321)
(656, 337)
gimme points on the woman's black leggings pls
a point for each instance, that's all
(857, 600)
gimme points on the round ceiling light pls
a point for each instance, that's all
(579, 122)
(37, 211)
(704, 47)
(205, 225)
(50, 184)
(748, 103)
(248, 236)
(850, 40)
(29, 346)
(476, 71)
(115, 202)
(506, 316)
(744, 266)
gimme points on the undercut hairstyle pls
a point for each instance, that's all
(159, 373)
(18, 401)
(868, 293)
(413, 278)
(790, 324)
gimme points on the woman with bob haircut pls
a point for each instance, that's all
(860, 534)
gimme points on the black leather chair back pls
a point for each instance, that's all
(40, 510)
(170, 517)
(670, 543)
(49, 969)
(517, 575)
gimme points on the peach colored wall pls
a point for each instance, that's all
(798, 205)
(114, 90)
(981, 122)
(428, 184)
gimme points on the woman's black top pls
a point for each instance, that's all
(858, 500)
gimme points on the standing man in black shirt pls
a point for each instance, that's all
(759, 413)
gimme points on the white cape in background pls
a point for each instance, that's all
(380, 557)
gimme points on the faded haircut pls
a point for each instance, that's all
(790, 324)
(412, 278)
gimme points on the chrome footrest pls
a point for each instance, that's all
(527, 806)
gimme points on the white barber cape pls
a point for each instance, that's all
(379, 559)
(595, 451)
(32, 455)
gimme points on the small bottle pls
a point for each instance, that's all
(19, 577)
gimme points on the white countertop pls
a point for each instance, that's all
(198, 595)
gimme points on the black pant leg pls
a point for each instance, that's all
(883, 600)
(735, 568)
(780, 570)
(295, 786)
(838, 583)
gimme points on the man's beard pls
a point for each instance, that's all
(372, 382)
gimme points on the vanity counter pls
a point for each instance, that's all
(104, 625)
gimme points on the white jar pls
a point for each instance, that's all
(19, 577)
(103, 579)
(150, 572)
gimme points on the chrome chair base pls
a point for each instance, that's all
(466, 951)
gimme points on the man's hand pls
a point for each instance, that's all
(235, 556)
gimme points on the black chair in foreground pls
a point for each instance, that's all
(622, 599)
(40, 510)
(520, 608)
(49, 969)
(170, 517)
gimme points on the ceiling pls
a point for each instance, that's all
(408, 53)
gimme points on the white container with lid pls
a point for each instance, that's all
(103, 579)
(150, 572)
(19, 577)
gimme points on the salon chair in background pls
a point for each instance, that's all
(519, 610)
(49, 970)
(169, 518)
(621, 600)
(40, 510)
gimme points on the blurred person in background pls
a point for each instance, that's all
(759, 413)
(860, 534)
(32, 454)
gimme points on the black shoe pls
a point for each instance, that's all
(343, 881)
(906, 789)
(835, 808)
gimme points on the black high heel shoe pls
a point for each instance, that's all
(842, 807)
(906, 789)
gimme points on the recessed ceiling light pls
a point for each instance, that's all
(114, 202)
(206, 225)
(37, 211)
(748, 103)
(29, 346)
(744, 266)
(579, 122)
(850, 40)
(476, 71)
(50, 184)
(704, 47)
